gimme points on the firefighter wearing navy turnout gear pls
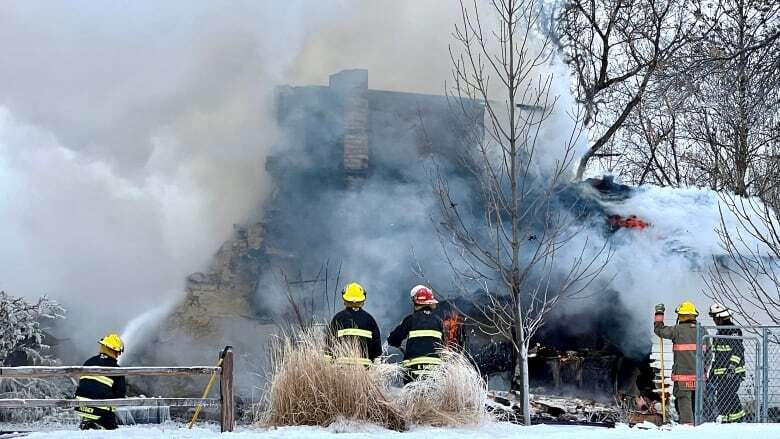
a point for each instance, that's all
(728, 366)
(101, 387)
(423, 333)
(356, 324)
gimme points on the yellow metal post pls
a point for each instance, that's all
(663, 383)
(206, 391)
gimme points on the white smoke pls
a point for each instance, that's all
(133, 135)
(668, 262)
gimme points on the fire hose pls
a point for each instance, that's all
(206, 391)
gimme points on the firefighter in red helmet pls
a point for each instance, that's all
(423, 332)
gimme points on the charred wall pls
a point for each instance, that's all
(351, 185)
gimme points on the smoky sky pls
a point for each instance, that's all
(133, 135)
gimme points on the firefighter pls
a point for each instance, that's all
(423, 333)
(101, 387)
(683, 336)
(728, 366)
(354, 323)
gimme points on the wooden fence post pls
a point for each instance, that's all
(226, 417)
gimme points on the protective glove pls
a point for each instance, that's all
(660, 308)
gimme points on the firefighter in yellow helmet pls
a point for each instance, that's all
(683, 336)
(101, 387)
(354, 323)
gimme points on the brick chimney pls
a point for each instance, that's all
(352, 87)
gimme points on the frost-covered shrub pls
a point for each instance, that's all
(453, 394)
(20, 327)
(22, 341)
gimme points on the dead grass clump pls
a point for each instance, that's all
(453, 394)
(307, 388)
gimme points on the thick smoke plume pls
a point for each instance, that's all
(668, 262)
(133, 135)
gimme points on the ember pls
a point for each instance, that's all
(617, 222)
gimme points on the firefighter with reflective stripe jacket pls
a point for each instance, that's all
(423, 333)
(728, 366)
(101, 387)
(353, 323)
(683, 336)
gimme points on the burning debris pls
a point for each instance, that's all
(617, 222)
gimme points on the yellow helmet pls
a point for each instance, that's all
(687, 309)
(113, 342)
(354, 292)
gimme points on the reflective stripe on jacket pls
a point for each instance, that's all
(358, 324)
(423, 332)
(683, 336)
(728, 353)
(99, 387)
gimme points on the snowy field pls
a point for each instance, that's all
(488, 431)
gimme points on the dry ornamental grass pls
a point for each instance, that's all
(453, 394)
(307, 388)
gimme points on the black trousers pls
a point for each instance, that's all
(724, 390)
(105, 420)
(416, 372)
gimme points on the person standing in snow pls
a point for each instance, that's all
(423, 332)
(728, 366)
(101, 387)
(683, 337)
(354, 323)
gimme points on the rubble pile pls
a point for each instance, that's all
(506, 406)
(546, 409)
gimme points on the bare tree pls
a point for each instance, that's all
(747, 277)
(513, 251)
(615, 48)
(310, 301)
(708, 116)
(734, 73)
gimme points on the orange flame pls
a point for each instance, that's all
(452, 326)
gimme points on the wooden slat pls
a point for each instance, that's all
(138, 402)
(74, 371)
(227, 415)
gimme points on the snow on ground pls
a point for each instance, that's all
(487, 431)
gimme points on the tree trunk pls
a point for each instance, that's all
(521, 383)
(520, 380)
(741, 152)
(526, 396)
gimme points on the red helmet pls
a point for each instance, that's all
(424, 296)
